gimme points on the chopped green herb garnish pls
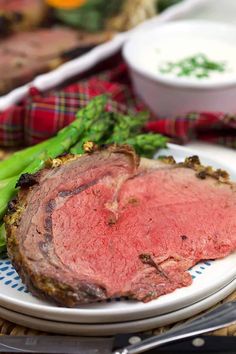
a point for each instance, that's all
(198, 66)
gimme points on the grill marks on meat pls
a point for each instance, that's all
(104, 225)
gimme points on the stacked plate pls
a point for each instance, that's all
(212, 281)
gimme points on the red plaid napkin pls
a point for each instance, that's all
(40, 116)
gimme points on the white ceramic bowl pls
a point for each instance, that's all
(168, 95)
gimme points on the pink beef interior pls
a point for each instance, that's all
(139, 236)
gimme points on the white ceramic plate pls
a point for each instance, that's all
(208, 278)
(114, 328)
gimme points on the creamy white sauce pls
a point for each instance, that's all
(173, 50)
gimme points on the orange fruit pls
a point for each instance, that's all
(65, 4)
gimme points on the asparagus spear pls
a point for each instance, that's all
(6, 195)
(57, 145)
(97, 133)
(4, 182)
(126, 126)
(126, 129)
(147, 144)
(2, 239)
(14, 164)
(8, 190)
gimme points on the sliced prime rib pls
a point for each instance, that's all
(24, 55)
(108, 224)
